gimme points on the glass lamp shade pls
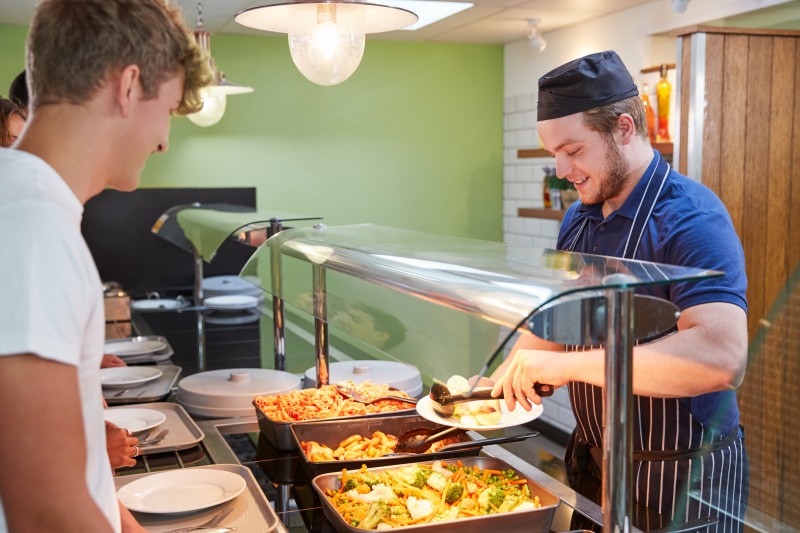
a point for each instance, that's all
(214, 101)
(327, 41)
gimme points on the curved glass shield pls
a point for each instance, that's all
(380, 281)
(202, 228)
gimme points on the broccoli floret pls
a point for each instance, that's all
(454, 493)
(349, 485)
(377, 511)
(493, 496)
(414, 476)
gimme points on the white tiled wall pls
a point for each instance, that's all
(522, 187)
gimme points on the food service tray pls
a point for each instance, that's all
(280, 433)
(152, 391)
(331, 433)
(251, 509)
(183, 431)
(531, 521)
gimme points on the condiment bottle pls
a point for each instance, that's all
(663, 90)
(649, 113)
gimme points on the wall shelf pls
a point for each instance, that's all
(550, 214)
(528, 153)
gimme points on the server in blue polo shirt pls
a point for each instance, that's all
(689, 456)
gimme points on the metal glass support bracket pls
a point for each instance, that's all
(279, 325)
(618, 396)
(320, 325)
(198, 304)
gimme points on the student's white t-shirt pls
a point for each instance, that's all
(51, 301)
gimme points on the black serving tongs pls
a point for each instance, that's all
(443, 401)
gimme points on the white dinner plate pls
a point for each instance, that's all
(507, 419)
(134, 347)
(231, 302)
(151, 304)
(181, 491)
(120, 377)
(135, 420)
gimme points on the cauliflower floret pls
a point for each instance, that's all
(384, 525)
(466, 503)
(472, 487)
(525, 506)
(413, 475)
(379, 492)
(450, 514)
(418, 508)
(437, 467)
(436, 481)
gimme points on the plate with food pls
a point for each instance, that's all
(455, 408)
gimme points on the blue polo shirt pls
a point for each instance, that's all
(689, 226)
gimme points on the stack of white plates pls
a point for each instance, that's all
(231, 285)
(231, 302)
(139, 349)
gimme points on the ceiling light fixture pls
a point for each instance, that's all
(535, 35)
(679, 6)
(326, 39)
(215, 95)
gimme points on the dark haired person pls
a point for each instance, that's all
(18, 92)
(12, 121)
(689, 456)
(105, 77)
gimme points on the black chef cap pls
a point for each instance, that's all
(585, 83)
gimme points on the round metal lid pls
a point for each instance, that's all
(234, 388)
(401, 376)
(229, 285)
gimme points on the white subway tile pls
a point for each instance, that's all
(531, 227)
(515, 121)
(529, 119)
(525, 102)
(525, 172)
(510, 140)
(510, 104)
(516, 225)
(517, 191)
(526, 139)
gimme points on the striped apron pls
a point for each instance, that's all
(682, 471)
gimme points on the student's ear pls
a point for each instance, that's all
(127, 88)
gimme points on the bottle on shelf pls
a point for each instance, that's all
(649, 113)
(663, 90)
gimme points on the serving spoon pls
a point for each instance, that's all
(418, 440)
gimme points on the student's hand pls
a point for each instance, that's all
(110, 361)
(121, 447)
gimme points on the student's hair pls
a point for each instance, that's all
(18, 91)
(603, 119)
(7, 110)
(75, 46)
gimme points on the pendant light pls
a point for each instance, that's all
(535, 38)
(215, 95)
(326, 39)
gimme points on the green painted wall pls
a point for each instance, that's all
(413, 139)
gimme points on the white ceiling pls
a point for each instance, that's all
(488, 22)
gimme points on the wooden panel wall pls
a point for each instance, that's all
(751, 159)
